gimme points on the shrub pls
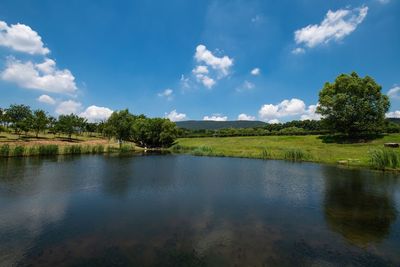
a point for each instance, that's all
(385, 158)
(295, 155)
(4, 150)
(18, 151)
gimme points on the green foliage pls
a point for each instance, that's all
(4, 150)
(353, 105)
(119, 125)
(18, 151)
(385, 158)
(292, 131)
(295, 155)
(266, 154)
(98, 149)
(70, 124)
(75, 149)
(39, 121)
(47, 150)
(154, 132)
(19, 117)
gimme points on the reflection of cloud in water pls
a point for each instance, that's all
(33, 208)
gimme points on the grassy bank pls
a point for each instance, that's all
(297, 148)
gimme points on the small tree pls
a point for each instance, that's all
(68, 124)
(353, 105)
(20, 118)
(39, 121)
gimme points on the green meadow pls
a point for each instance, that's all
(311, 148)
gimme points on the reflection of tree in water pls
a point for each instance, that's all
(360, 208)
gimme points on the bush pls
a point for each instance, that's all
(18, 151)
(385, 158)
(295, 155)
(4, 150)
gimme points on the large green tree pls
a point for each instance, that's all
(119, 125)
(19, 117)
(154, 132)
(353, 105)
(69, 124)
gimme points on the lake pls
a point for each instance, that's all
(179, 210)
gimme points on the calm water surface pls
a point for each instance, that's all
(195, 211)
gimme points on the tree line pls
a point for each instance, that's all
(122, 125)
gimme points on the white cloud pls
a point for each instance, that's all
(298, 51)
(21, 38)
(205, 80)
(335, 26)
(255, 71)
(310, 114)
(167, 93)
(274, 121)
(185, 82)
(221, 64)
(394, 92)
(200, 70)
(246, 86)
(46, 99)
(44, 76)
(215, 117)
(175, 116)
(285, 108)
(393, 114)
(92, 113)
(244, 117)
(383, 1)
(68, 107)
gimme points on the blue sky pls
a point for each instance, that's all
(264, 60)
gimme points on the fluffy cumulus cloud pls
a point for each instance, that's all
(255, 71)
(175, 116)
(215, 117)
(335, 26)
(201, 74)
(285, 108)
(167, 93)
(246, 86)
(22, 38)
(222, 64)
(40, 76)
(394, 92)
(393, 114)
(288, 108)
(68, 107)
(46, 99)
(310, 113)
(95, 114)
(245, 117)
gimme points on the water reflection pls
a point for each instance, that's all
(360, 208)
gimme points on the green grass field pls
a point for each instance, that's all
(279, 147)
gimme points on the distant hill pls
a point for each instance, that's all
(395, 120)
(215, 125)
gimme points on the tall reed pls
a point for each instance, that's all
(387, 158)
(4, 150)
(295, 154)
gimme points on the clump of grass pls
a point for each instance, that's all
(266, 154)
(99, 149)
(4, 150)
(47, 150)
(126, 149)
(75, 149)
(385, 158)
(18, 151)
(203, 151)
(295, 155)
(33, 151)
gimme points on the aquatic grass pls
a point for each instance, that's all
(266, 153)
(4, 150)
(295, 154)
(385, 158)
(74, 149)
(203, 151)
(126, 149)
(18, 151)
(98, 149)
(47, 150)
